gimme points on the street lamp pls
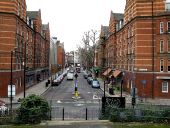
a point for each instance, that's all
(122, 84)
(23, 63)
(11, 82)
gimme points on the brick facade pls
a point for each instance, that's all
(28, 40)
(139, 49)
(60, 55)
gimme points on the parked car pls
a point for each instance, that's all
(89, 75)
(58, 80)
(65, 73)
(95, 83)
(70, 76)
(85, 75)
(89, 80)
(3, 108)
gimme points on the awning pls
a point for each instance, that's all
(116, 73)
(163, 77)
(107, 72)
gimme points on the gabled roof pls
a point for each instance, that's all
(117, 16)
(104, 31)
(45, 26)
(32, 14)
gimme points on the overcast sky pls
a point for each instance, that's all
(69, 19)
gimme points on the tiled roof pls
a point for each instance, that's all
(45, 26)
(105, 31)
(32, 14)
(117, 16)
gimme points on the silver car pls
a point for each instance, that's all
(95, 84)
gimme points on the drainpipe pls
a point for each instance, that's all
(153, 54)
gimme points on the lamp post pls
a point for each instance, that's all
(11, 82)
(104, 89)
(23, 63)
(122, 84)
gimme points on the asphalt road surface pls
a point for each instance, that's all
(63, 101)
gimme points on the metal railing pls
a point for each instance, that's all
(75, 113)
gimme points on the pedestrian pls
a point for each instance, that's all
(76, 75)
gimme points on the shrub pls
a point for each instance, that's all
(33, 109)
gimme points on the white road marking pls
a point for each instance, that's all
(96, 97)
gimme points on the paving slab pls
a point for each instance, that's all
(78, 124)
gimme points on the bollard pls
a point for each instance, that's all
(63, 113)
(86, 113)
(76, 94)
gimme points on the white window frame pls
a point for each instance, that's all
(168, 26)
(161, 46)
(161, 27)
(164, 85)
(161, 64)
(167, 5)
(168, 65)
(168, 46)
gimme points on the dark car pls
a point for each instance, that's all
(89, 80)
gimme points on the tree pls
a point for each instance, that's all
(33, 109)
(87, 51)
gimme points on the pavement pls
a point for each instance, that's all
(40, 88)
(78, 124)
(155, 101)
(37, 89)
(116, 93)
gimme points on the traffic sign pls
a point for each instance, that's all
(13, 90)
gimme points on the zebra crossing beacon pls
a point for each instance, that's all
(76, 87)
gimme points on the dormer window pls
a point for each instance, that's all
(31, 23)
(167, 5)
(27, 20)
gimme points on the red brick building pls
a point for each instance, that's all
(141, 47)
(22, 40)
(60, 55)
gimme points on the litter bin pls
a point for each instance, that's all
(111, 91)
(46, 84)
(48, 81)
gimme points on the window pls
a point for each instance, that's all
(161, 28)
(168, 26)
(165, 87)
(169, 65)
(18, 8)
(167, 5)
(161, 65)
(27, 36)
(161, 46)
(168, 45)
(20, 81)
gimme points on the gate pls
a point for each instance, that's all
(76, 111)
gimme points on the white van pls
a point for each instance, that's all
(70, 76)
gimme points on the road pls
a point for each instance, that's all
(62, 98)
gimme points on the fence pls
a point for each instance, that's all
(75, 113)
(138, 114)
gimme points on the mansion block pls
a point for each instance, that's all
(137, 43)
(24, 46)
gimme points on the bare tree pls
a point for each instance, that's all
(87, 52)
